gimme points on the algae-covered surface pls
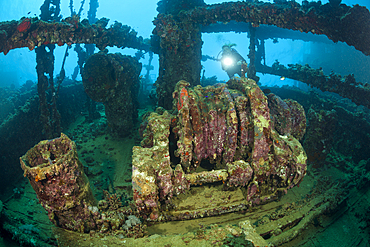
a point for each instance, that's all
(308, 215)
(208, 231)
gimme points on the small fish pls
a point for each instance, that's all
(29, 13)
(282, 78)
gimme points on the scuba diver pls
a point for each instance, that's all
(231, 61)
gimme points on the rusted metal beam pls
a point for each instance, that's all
(341, 23)
(345, 86)
(31, 32)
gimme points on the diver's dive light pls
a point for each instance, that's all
(227, 61)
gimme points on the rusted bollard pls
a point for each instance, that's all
(56, 174)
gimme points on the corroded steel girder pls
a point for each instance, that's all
(31, 32)
(342, 23)
(345, 86)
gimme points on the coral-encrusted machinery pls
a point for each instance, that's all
(56, 174)
(240, 145)
(113, 79)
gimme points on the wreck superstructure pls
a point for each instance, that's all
(233, 146)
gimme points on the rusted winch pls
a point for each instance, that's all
(225, 148)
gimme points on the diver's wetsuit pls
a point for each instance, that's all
(236, 67)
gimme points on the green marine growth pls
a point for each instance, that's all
(239, 241)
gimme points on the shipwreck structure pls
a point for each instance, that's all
(56, 174)
(231, 145)
(113, 79)
(225, 135)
